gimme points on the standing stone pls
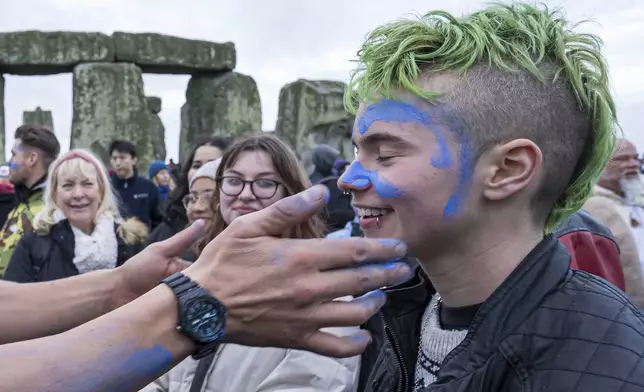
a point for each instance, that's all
(225, 105)
(38, 116)
(51, 52)
(312, 112)
(157, 53)
(109, 103)
(2, 136)
(157, 130)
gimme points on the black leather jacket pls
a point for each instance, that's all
(546, 328)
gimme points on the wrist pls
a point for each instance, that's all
(120, 295)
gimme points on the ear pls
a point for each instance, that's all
(135, 160)
(513, 167)
(32, 157)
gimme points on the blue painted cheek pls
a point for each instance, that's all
(14, 166)
(360, 177)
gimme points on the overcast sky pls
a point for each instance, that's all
(279, 41)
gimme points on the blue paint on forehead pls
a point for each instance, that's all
(388, 110)
(360, 177)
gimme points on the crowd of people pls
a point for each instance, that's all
(509, 215)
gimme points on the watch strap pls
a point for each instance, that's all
(180, 284)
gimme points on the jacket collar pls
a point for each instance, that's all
(23, 193)
(537, 275)
(511, 303)
(124, 183)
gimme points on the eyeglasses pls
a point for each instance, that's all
(262, 188)
(193, 199)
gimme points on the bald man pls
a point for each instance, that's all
(618, 203)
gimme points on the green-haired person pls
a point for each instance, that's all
(475, 136)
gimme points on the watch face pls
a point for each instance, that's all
(205, 319)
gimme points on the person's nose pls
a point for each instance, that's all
(199, 206)
(247, 192)
(78, 192)
(354, 179)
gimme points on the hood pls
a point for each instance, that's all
(323, 158)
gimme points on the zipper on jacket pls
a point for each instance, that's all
(403, 378)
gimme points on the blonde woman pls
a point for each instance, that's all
(80, 228)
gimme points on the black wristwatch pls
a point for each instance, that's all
(202, 318)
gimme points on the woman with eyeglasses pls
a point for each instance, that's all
(253, 174)
(197, 202)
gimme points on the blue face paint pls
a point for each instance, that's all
(13, 165)
(466, 169)
(388, 110)
(360, 177)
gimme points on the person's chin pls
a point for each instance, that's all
(387, 227)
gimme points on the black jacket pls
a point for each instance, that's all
(139, 198)
(546, 328)
(41, 258)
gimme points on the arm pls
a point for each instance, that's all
(122, 351)
(42, 309)
(48, 308)
(21, 266)
(133, 345)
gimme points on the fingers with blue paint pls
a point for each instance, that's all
(273, 304)
(284, 214)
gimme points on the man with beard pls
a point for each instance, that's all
(617, 202)
(34, 149)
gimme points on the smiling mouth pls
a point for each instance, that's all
(79, 207)
(373, 212)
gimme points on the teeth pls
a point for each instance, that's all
(372, 211)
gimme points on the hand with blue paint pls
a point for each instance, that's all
(279, 292)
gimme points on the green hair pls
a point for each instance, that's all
(509, 37)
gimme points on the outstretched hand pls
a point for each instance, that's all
(280, 292)
(144, 271)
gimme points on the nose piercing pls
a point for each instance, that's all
(378, 222)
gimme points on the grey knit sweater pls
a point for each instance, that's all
(435, 344)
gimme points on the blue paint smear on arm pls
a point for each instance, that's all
(360, 177)
(115, 374)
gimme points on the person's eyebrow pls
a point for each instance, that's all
(377, 138)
